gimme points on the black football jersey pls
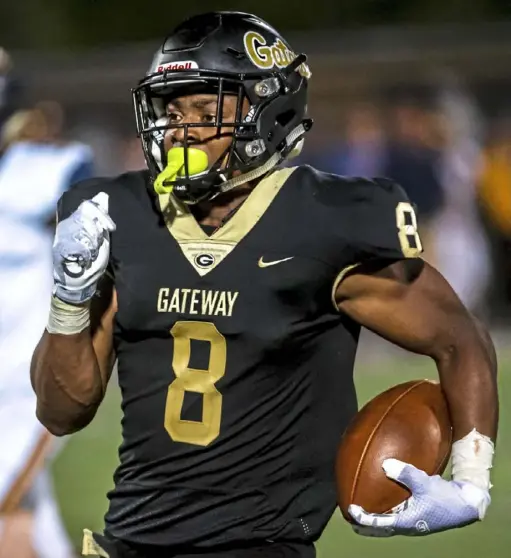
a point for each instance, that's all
(235, 366)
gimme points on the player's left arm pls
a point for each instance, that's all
(389, 289)
(410, 304)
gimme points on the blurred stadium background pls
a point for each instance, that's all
(418, 91)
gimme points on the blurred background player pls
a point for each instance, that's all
(11, 94)
(465, 259)
(36, 167)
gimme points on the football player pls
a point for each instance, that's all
(34, 171)
(231, 287)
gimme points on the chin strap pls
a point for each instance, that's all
(272, 162)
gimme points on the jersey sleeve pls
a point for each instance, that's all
(377, 221)
(384, 222)
(368, 220)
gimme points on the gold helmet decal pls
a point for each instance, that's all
(266, 56)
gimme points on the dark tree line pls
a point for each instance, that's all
(86, 23)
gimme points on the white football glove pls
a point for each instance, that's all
(81, 250)
(435, 505)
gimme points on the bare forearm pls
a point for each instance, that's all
(487, 342)
(468, 374)
(67, 380)
(411, 304)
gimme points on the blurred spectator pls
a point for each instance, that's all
(414, 153)
(460, 245)
(495, 199)
(495, 181)
(11, 92)
(362, 150)
(133, 156)
(36, 167)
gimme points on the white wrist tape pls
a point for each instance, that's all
(472, 458)
(67, 319)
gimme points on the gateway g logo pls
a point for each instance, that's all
(204, 260)
(266, 56)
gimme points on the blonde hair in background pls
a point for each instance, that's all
(25, 125)
(5, 61)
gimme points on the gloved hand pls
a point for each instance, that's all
(81, 250)
(435, 505)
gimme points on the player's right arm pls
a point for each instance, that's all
(73, 361)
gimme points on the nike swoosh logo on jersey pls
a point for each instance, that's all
(262, 263)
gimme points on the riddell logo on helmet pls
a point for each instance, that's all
(177, 66)
(266, 56)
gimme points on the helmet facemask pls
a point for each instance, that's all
(260, 137)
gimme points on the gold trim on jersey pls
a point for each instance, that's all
(340, 276)
(90, 547)
(206, 252)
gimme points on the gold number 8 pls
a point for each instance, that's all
(198, 381)
(408, 231)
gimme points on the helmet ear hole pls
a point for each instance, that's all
(284, 118)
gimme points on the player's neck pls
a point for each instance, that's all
(215, 212)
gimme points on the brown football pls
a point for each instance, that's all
(409, 422)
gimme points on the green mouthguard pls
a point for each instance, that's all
(197, 162)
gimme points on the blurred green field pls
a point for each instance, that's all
(83, 475)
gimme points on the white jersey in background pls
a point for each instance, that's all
(32, 179)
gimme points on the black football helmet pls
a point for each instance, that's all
(226, 53)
